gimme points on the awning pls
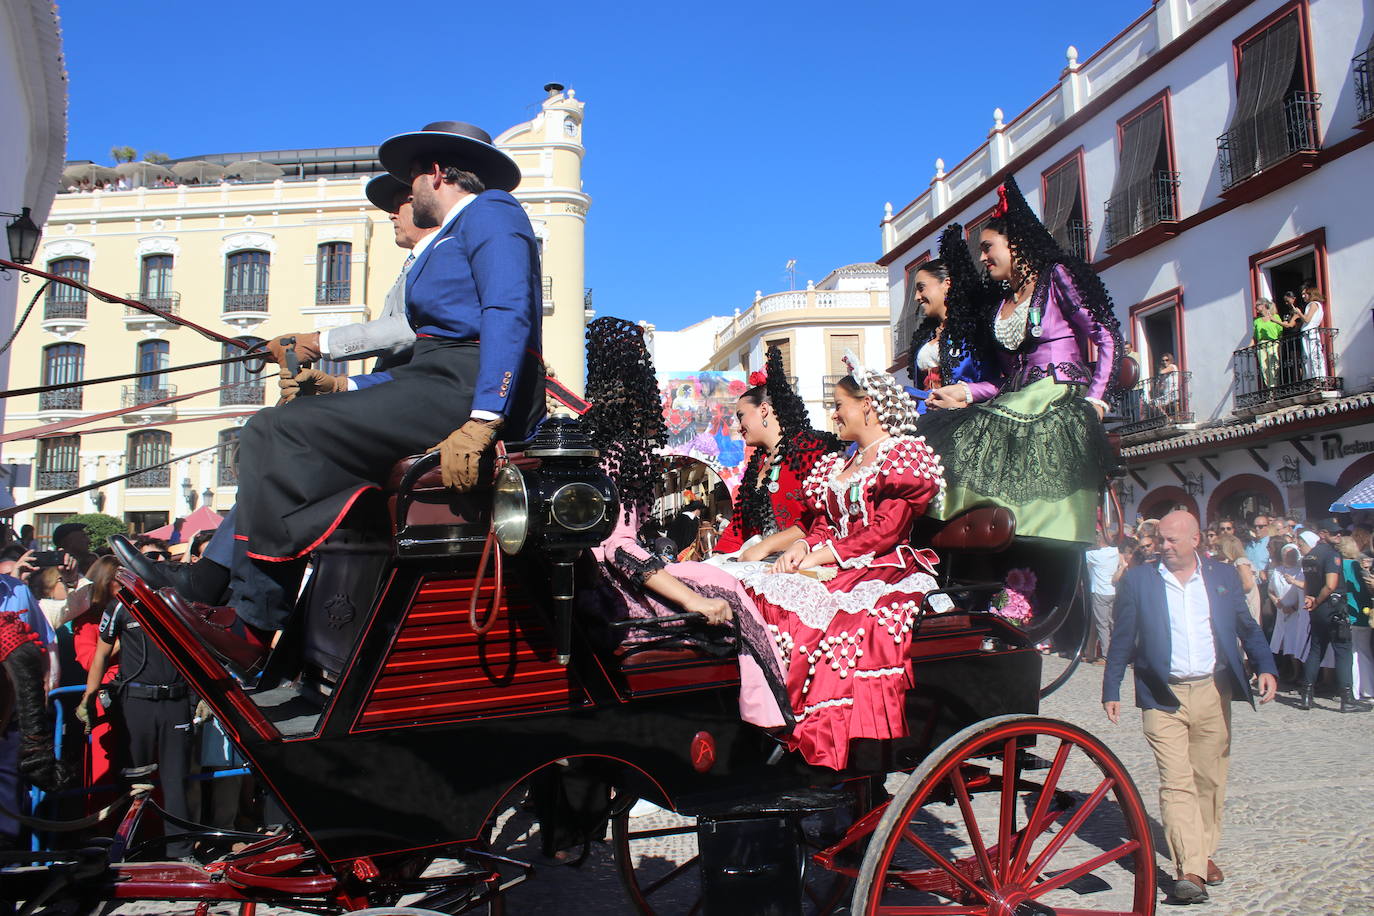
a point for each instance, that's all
(1360, 496)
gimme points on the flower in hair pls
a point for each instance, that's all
(758, 377)
(1002, 206)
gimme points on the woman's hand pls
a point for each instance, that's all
(823, 556)
(1101, 411)
(948, 397)
(792, 557)
(715, 610)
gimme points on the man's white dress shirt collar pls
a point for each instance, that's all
(1192, 646)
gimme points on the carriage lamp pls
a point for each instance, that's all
(560, 508)
(23, 235)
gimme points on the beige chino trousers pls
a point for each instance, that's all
(1192, 748)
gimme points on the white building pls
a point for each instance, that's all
(33, 144)
(1214, 152)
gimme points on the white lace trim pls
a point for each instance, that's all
(842, 701)
(896, 455)
(1011, 331)
(882, 672)
(817, 606)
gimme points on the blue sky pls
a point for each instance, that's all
(722, 138)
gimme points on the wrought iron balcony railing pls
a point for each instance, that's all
(333, 293)
(1077, 233)
(243, 393)
(153, 477)
(64, 307)
(58, 480)
(828, 389)
(1275, 370)
(66, 399)
(1364, 84)
(1268, 137)
(1156, 403)
(245, 302)
(138, 395)
(1142, 206)
(165, 301)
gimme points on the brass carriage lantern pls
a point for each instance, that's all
(23, 235)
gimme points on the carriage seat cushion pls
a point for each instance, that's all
(982, 529)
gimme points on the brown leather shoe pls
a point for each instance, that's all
(1214, 875)
(233, 642)
(1190, 889)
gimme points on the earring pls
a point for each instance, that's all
(765, 423)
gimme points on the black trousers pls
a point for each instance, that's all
(159, 732)
(302, 464)
(1325, 633)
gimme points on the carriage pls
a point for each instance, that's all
(440, 663)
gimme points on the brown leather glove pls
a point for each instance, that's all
(308, 382)
(461, 452)
(307, 347)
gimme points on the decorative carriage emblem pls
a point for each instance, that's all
(703, 752)
(339, 611)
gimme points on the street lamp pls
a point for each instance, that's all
(207, 498)
(189, 493)
(23, 237)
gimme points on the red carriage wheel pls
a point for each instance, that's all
(1062, 832)
(656, 858)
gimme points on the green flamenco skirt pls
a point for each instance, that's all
(1039, 451)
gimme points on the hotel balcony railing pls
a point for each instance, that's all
(245, 302)
(168, 302)
(1364, 84)
(64, 306)
(1269, 137)
(153, 477)
(244, 393)
(65, 399)
(1161, 402)
(1142, 206)
(58, 480)
(138, 395)
(1276, 371)
(333, 293)
(228, 474)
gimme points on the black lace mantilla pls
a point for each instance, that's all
(754, 639)
(1018, 458)
(633, 568)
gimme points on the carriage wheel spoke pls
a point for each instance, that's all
(943, 863)
(676, 872)
(1078, 871)
(1007, 819)
(929, 910)
(1037, 823)
(1070, 828)
(971, 822)
(659, 832)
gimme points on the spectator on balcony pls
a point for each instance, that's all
(1313, 342)
(1290, 339)
(1164, 387)
(1266, 341)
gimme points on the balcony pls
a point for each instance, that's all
(168, 303)
(329, 294)
(138, 395)
(244, 393)
(58, 480)
(153, 477)
(64, 311)
(828, 383)
(1078, 232)
(1276, 142)
(1291, 370)
(546, 295)
(245, 310)
(1143, 214)
(65, 399)
(1364, 86)
(856, 302)
(1156, 406)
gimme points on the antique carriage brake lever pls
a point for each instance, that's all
(293, 362)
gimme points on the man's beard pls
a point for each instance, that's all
(425, 212)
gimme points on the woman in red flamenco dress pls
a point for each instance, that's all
(841, 600)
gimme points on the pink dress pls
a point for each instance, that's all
(844, 641)
(619, 592)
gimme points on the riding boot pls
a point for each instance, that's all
(1350, 704)
(1305, 696)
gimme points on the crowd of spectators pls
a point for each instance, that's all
(129, 706)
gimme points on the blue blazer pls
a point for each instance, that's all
(479, 280)
(1140, 633)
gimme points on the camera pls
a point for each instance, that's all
(43, 558)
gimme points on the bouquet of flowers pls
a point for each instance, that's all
(1014, 602)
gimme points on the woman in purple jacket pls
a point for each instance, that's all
(1032, 440)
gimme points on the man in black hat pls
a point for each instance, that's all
(73, 538)
(473, 300)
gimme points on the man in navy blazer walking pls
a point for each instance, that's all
(1183, 622)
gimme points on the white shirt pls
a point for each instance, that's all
(1102, 565)
(1193, 651)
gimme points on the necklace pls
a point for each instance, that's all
(855, 485)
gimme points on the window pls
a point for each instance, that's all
(153, 356)
(59, 463)
(62, 363)
(1145, 191)
(245, 281)
(974, 231)
(146, 449)
(784, 345)
(1066, 204)
(836, 345)
(1161, 398)
(156, 278)
(744, 361)
(1364, 80)
(44, 524)
(140, 522)
(332, 272)
(67, 301)
(1276, 111)
(246, 380)
(906, 319)
(228, 456)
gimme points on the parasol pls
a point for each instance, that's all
(1360, 496)
(198, 171)
(142, 174)
(253, 170)
(201, 519)
(74, 175)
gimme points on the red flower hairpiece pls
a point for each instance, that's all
(758, 377)
(1001, 208)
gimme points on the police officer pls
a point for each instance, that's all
(155, 706)
(1325, 601)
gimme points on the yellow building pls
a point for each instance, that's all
(246, 259)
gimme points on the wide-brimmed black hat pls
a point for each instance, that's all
(453, 142)
(59, 534)
(382, 191)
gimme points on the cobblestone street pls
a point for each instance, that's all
(1299, 816)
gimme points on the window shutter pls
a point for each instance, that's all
(839, 343)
